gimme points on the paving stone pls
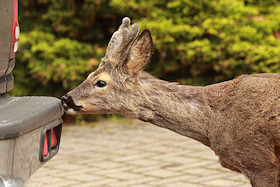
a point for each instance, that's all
(134, 182)
(145, 169)
(123, 175)
(63, 183)
(103, 182)
(144, 162)
(199, 179)
(83, 177)
(170, 180)
(183, 159)
(106, 164)
(181, 184)
(132, 157)
(187, 184)
(142, 185)
(161, 173)
(223, 183)
(201, 171)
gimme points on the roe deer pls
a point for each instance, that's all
(238, 119)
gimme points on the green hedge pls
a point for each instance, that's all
(195, 42)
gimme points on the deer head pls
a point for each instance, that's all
(115, 83)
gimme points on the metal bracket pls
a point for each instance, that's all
(11, 182)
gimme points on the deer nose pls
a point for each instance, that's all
(68, 103)
(64, 101)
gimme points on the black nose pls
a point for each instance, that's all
(67, 102)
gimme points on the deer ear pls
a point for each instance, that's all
(140, 53)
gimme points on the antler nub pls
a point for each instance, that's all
(121, 40)
(125, 23)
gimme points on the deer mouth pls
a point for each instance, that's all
(69, 106)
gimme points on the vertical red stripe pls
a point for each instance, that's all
(54, 138)
(14, 25)
(46, 151)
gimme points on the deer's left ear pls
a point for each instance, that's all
(140, 53)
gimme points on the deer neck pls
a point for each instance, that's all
(176, 107)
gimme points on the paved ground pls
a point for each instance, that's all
(126, 154)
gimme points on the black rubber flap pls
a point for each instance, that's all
(19, 115)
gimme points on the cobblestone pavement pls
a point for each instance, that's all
(129, 154)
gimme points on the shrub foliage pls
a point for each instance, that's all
(195, 42)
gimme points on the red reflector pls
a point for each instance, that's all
(46, 146)
(49, 143)
(14, 38)
(54, 138)
(53, 142)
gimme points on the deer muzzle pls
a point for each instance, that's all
(69, 105)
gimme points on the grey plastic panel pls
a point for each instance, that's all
(11, 66)
(6, 15)
(6, 64)
(19, 115)
(3, 84)
(10, 82)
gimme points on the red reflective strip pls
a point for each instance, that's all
(54, 138)
(14, 25)
(15, 13)
(46, 146)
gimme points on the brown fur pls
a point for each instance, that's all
(244, 130)
(239, 119)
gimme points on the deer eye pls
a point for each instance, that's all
(101, 83)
